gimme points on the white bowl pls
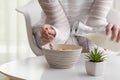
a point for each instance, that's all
(62, 58)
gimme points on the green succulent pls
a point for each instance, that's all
(96, 56)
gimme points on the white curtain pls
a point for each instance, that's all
(13, 37)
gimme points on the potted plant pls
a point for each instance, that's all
(95, 64)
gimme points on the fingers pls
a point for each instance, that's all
(46, 40)
(49, 28)
(52, 32)
(115, 31)
(108, 28)
(43, 35)
(47, 33)
(118, 37)
(46, 27)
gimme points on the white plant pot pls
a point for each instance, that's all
(94, 69)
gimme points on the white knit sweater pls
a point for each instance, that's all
(90, 15)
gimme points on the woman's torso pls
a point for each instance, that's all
(77, 9)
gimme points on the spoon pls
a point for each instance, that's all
(50, 46)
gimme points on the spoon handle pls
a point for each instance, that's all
(51, 46)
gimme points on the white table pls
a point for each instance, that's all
(36, 68)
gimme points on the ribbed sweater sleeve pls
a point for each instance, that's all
(56, 17)
(98, 13)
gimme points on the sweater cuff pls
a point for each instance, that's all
(59, 37)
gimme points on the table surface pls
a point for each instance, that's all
(36, 68)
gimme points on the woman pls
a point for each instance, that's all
(62, 16)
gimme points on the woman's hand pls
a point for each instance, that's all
(47, 33)
(115, 30)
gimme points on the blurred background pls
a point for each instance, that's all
(13, 38)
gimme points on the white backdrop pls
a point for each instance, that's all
(13, 38)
